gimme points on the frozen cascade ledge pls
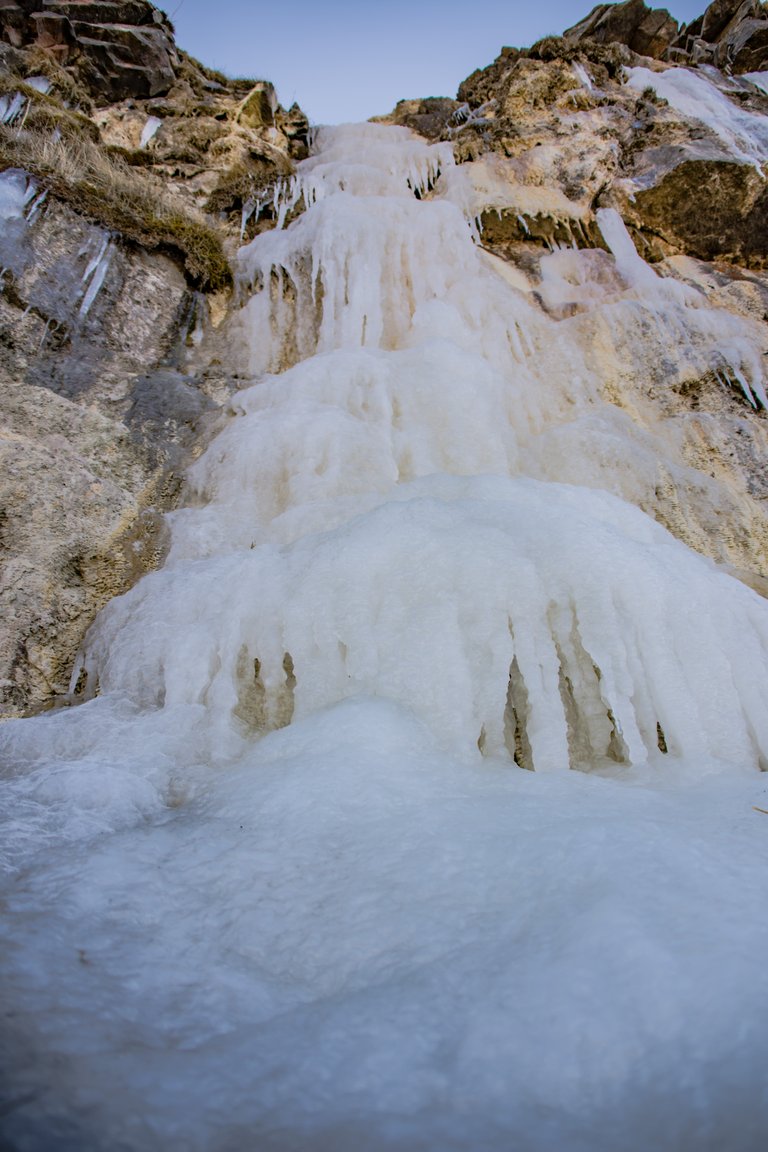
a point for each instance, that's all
(285, 853)
(553, 625)
(414, 359)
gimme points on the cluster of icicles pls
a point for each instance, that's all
(369, 522)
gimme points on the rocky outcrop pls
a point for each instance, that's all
(125, 167)
(120, 50)
(647, 31)
(431, 118)
(549, 135)
(712, 208)
(732, 35)
(91, 444)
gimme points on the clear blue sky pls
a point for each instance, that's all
(351, 59)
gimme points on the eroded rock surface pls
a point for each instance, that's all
(646, 31)
(125, 167)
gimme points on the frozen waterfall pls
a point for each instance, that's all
(505, 613)
(278, 880)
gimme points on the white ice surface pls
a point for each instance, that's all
(759, 79)
(16, 191)
(150, 130)
(370, 929)
(743, 132)
(39, 83)
(350, 941)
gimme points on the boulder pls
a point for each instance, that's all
(120, 50)
(258, 108)
(722, 14)
(745, 47)
(431, 117)
(710, 207)
(647, 31)
(732, 35)
(131, 62)
(54, 33)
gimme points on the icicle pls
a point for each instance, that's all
(252, 207)
(199, 314)
(40, 83)
(12, 108)
(149, 131)
(16, 191)
(94, 276)
(583, 76)
(36, 205)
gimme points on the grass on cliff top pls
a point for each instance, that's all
(196, 74)
(123, 199)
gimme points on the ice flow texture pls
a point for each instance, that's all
(349, 938)
(333, 557)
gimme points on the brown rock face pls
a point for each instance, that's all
(259, 107)
(712, 209)
(120, 50)
(430, 117)
(732, 35)
(646, 31)
(720, 15)
(89, 435)
(555, 133)
(118, 221)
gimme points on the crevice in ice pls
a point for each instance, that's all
(286, 702)
(661, 739)
(251, 706)
(516, 715)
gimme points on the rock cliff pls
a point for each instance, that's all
(125, 167)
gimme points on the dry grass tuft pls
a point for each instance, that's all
(124, 199)
(37, 62)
